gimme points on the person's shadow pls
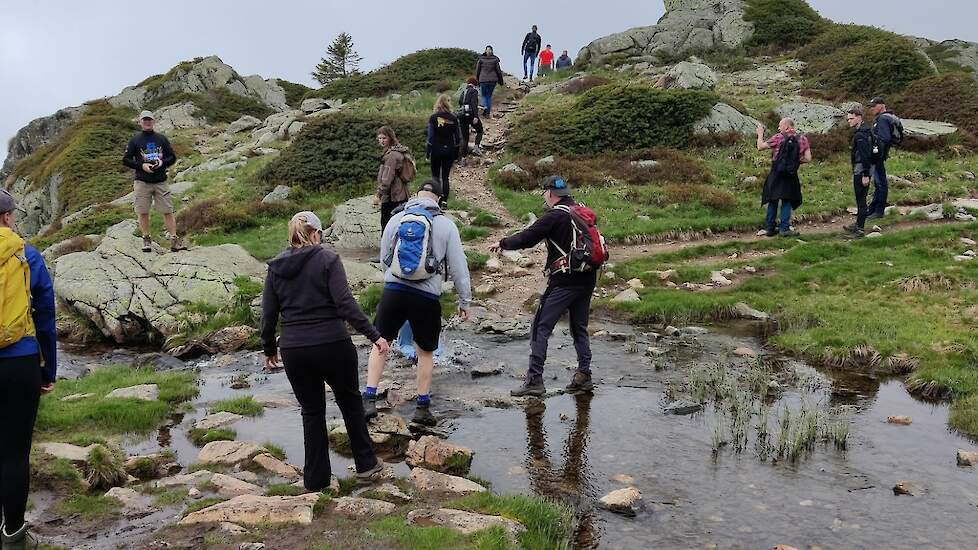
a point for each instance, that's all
(571, 482)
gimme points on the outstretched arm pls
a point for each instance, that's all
(531, 236)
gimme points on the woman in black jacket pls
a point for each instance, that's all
(444, 137)
(306, 286)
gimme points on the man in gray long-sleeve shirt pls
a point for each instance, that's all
(417, 300)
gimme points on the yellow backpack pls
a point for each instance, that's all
(15, 290)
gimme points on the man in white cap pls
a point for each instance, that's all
(149, 154)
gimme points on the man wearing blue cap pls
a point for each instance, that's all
(567, 290)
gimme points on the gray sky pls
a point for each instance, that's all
(56, 53)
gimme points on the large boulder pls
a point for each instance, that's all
(689, 76)
(246, 122)
(178, 117)
(126, 292)
(687, 26)
(40, 203)
(724, 119)
(812, 118)
(927, 128)
(356, 225)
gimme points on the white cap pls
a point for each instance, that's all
(311, 219)
(146, 114)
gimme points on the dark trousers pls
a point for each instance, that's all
(861, 192)
(441, 168)
(882, 189)
(553, 304)
(386, 210)
(335, 364)
(20, 394)
(530, 57)
(466, 125)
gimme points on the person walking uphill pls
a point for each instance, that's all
(444, 138)
(397, 169)
(468, 117)
(862, 164)
(149, 154)
(489, 73)
(306, 288)
(790, 150)
(420, 249)
(546, 61)
(570, 285)
(530, 50)
(28, 368)
(887, 132)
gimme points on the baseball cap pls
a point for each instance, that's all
(557, 186)
(146, 114)
(311, 219)
(876, 101)
(432, 186)
(7, 202)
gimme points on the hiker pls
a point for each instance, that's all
(790, 150)
(307, 288)
(489, 73)
(28, 367)
(887, 132)
(468, 117)
(149, 154)
(569, 287)
(444, 137)
(546, 61)
(530, 50)
(862, 164)
(564, 61)
(397, 169)
(420, 249)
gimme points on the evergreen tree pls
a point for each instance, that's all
(341, 61)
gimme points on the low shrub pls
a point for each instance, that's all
(951, 97)
(718, 199)
(581, 85)
(837, 141)
(437, 69)
(93, 224)
(615, 117)
(784, 24)
(294, 93)
(340, 150)
(216, 105)
(103, 468)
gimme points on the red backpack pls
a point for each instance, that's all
(588, 250)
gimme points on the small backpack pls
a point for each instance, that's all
(880, 147)
(15, 290)
(409, 168)
(789, 155)
(411, 257)
(588, 251)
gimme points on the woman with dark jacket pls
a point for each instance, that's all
(444, 137)
(489, 73)
(306, 287)
(392, 190)
(468, 104)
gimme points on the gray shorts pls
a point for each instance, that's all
(145, 195)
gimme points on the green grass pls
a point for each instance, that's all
(200, 437)
(245, 406)
(275, 450)
(411, 537)
(200, 320)
(56, 474)
(284, 490)
(549, 524)
(477, 260)
(199, 505)
(93, 224)
(90, 508)
(471, 233)
(99, 417)
(839, 303)
(369, 299)
(172, 497)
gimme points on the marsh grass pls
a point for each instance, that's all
(200, 437)
(89, 507)
(245, 406)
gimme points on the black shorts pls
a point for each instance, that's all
(397, 307)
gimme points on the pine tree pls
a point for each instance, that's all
(341, 61)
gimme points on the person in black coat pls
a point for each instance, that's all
(444, 140)
(783, 184)
(862, 165)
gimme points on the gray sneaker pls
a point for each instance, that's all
(147, 244)
(21, 540)
(372, 475)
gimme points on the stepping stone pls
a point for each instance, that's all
(142, 392)
(233, 487)
(429, 482)
(228, 453)
(216, 420)
(356, 507)
(73, 453)
(436, 454)
(185, 480)
(277, 467)
(622, 501)
(463, 522)
(254, 510)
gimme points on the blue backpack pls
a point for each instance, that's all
(411, 257)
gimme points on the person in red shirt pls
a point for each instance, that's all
(546, 61)
(782, 184)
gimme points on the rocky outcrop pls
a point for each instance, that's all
(688, 75)
(126, 292)
(356, 225)
(953, 52)
(927, 128)
(37, 133)
(724, 119)
(178, 117)
(688, 26)
(40, 203)
(812, 118)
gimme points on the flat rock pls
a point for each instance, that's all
(682, 407)
(142, 392)
(744, 311)
(356, 507)
(232, 487)
(217, 420)
(908, 488)
(277, 467)
(927, 128)
(69, 452)
(462, 521)
(622, 501)
(246, 122)
(278, 195)
(433, 453)
(688, 75)
(430, 482)
(720, 279)
(487, 369)
(185, 480)
(745, 352)
(967, 458)
(901, 420)
(390, 491)
(77, 397)
(256, 510)
(627, 296)
(133, 503)
(228, 452)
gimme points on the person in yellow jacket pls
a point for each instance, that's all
(27, 336)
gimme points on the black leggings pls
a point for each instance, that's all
(386, 212)
(335, 364)
(468, 123)
(441, 168)
(20, 393)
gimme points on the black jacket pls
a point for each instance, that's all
(862, 151)
(557, 226)
(444, 134)
(470, 99)
(307, 287)
(531, 43)
(147, 147)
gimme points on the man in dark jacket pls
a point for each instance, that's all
(884, 128)
(862, 163)
(782, 184)
(149, 154)
(531, 49)
(564, 61)
(566, 291)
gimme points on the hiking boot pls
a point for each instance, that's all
(369, 406)
(477, 151)
(581, 383)
(423, 416)
(147, 244)
(857, 234)
(790, 233)
(533, 387)
(770, 233)
(372, 475)
(875, 215)
(21, 540)
(851, 228)
(176, 245)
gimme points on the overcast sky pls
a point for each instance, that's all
(56, 53)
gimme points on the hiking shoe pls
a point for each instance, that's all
(176, 245)
(369, 407)
(851, 228)
(790, 233)
(875, 215)
(372, 475)
(770, 233)
(581, 382)
(147, 244)
(532, 388)
(21, 540)
(857, 234)
(477, 151)
(423, 416)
